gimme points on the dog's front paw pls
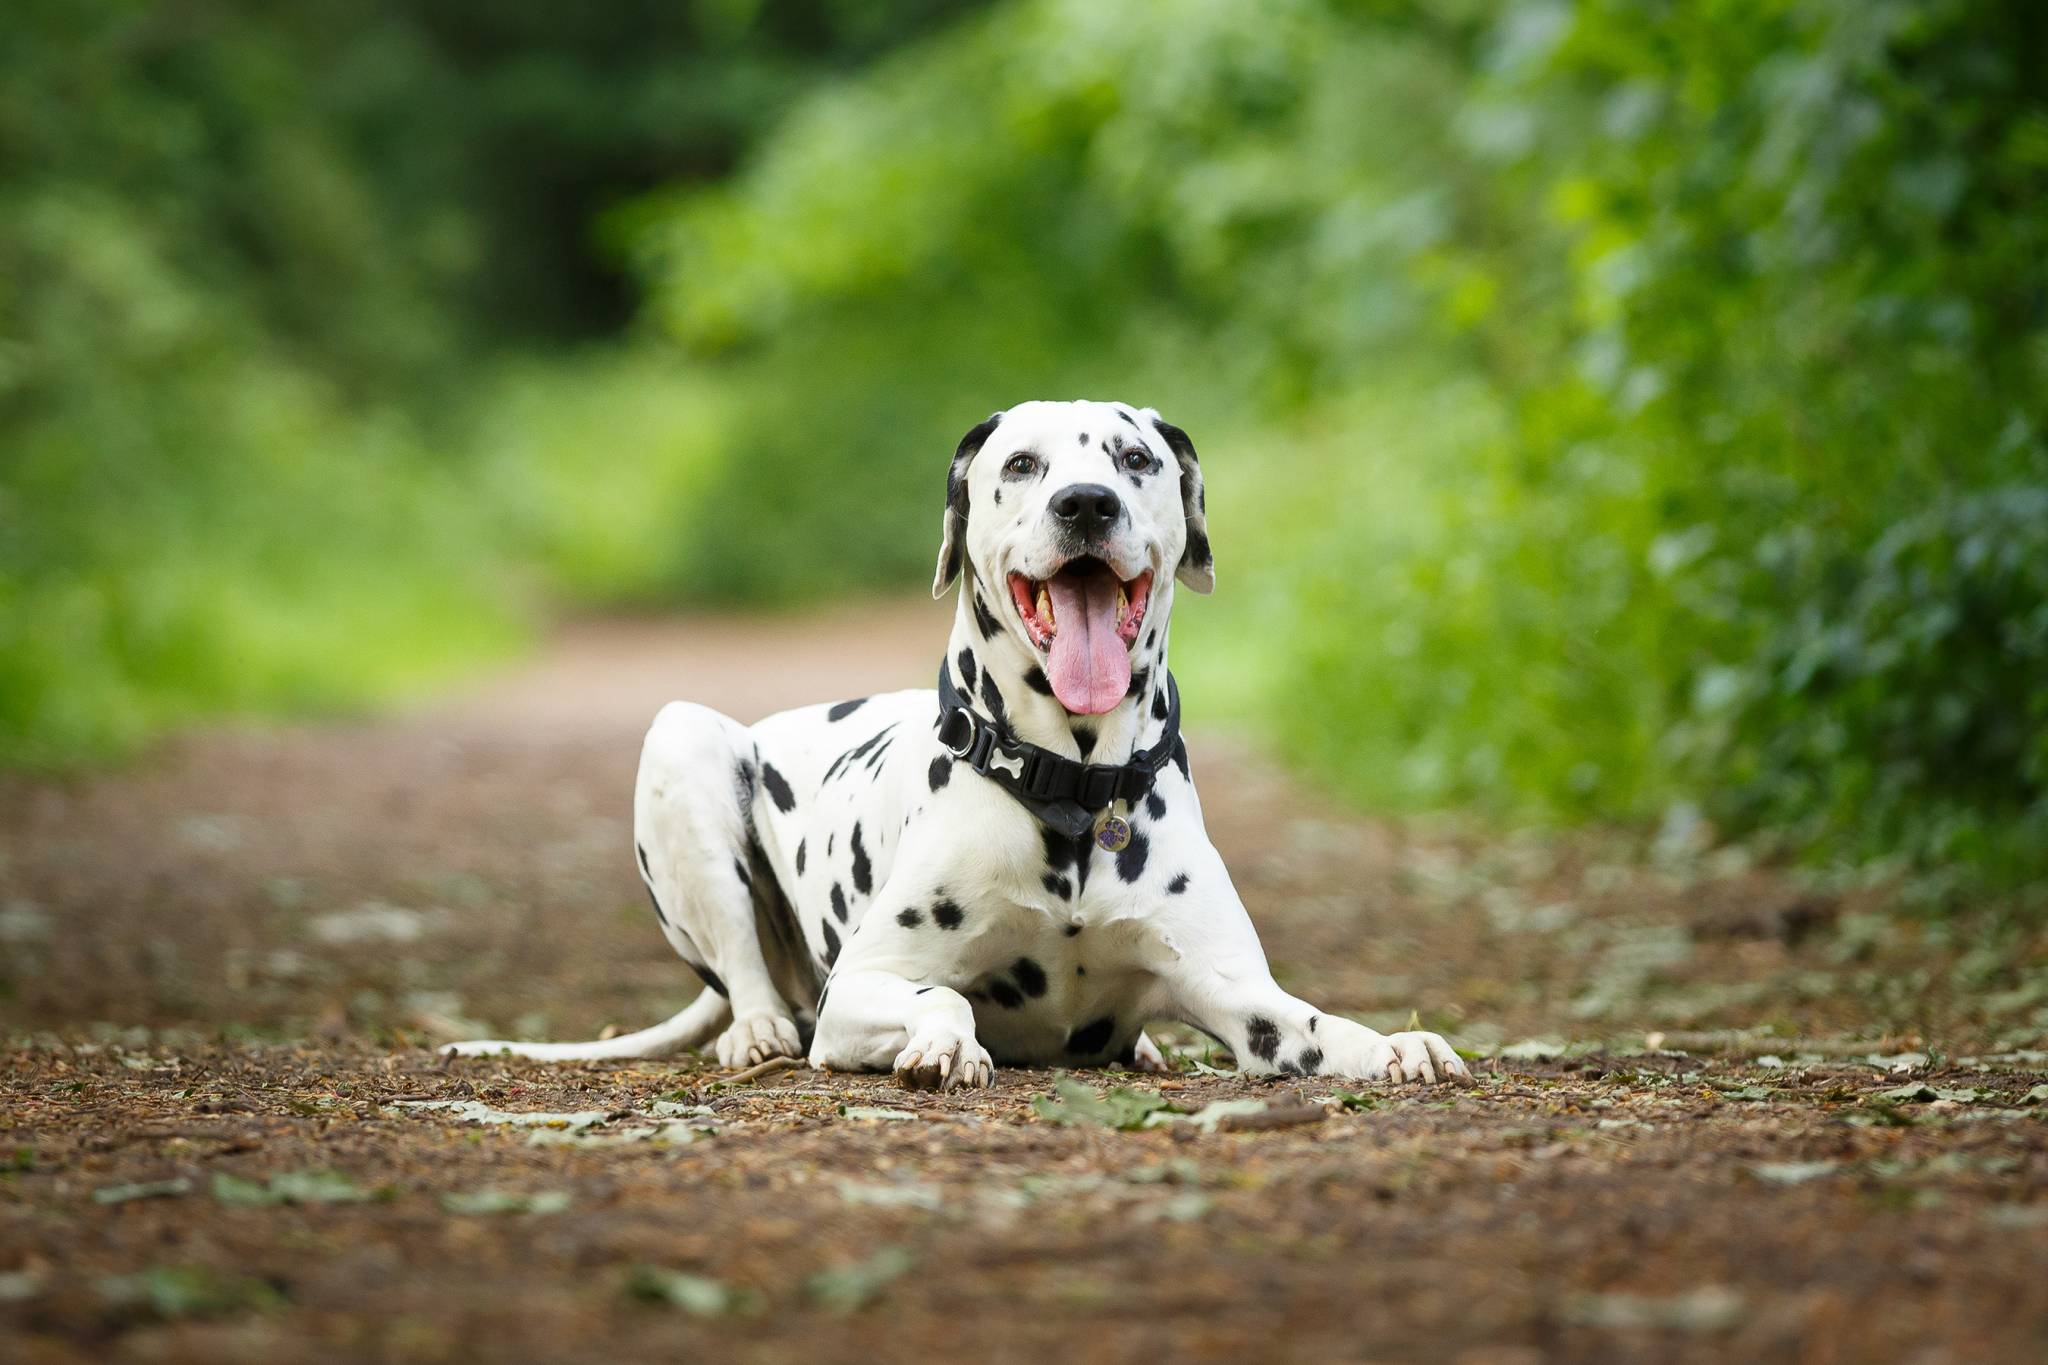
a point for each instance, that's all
(941, 1059)
(756, 1038)
(1416, 1056)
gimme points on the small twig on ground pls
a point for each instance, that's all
(767, 1068)
(1288, 1116)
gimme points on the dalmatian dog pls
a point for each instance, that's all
(1012, 869)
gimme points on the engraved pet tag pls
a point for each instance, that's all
(1113, 834)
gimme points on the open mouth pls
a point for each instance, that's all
(1084, 618)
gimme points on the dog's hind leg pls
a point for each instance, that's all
(693, 836)
(702, 1018)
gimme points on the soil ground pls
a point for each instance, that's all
(1720, 1114)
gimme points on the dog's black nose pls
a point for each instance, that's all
(1088, 508)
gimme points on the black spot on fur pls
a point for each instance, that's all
(909, 919)
(839, 902)
(1084, 740)
(655, 901)
(1035, 679)
(863, 872)
(968, 671)
(1005, 995)
(985, 620)
(1159, 704)
(1058, 885)
(1130, 859)
(1197, 551)
(1139, 680)
(1059, 850)
(999, 497)
(778, 789)
(829, 837)
(645, 871)
(1180, 757)
(947, 915)
(1073, 929)
(846, 708)
(1310, 1061)
(1155, 805)
(941, 771)
(831, 942)
(709, 977)
(921, 990)
(1030, 976)
(746, 878)
(1090, 1039)
(1084, 438)
(1314, 1019)
(860, 750)
(992, 696)
(882, 749)
(1262, 1036)
(1180, 884)
(800, 857)
(1063, 852)
(1079, 970)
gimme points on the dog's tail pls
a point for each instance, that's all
(698, 1023)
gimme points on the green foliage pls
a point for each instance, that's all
(1073, 1103)
(1605, 404)
(259, 268)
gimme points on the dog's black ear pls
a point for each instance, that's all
(1197, 566)
(953, 538)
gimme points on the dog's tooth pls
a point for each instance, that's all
(1123, 604)
(1044, 605)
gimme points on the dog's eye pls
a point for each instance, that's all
(1135, 458)
(1020, 463)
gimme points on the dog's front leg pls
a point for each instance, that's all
(871, 1019)
(1218, 981)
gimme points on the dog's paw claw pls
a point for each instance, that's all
(1424, 1057)
(757, 1038)
(943, 1061)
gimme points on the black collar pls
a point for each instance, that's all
(1063, 792)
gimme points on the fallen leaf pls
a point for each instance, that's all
(868, 1111)
(695, 1294)
(1712, 1308)
(292, 1187)
(1121, 1108)
(147, 1189)
(851, 1287)
(475, 1111)
(188, 1292)
(506, 1201)
(906, 1195)
(1793, 1172)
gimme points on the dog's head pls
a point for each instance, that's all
(1070, 515)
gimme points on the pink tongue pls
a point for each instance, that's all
(1090, 668)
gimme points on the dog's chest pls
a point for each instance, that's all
(1047, 991)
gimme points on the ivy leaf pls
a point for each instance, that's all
(1121, 1108)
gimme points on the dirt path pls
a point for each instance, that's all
(1722, 1116)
